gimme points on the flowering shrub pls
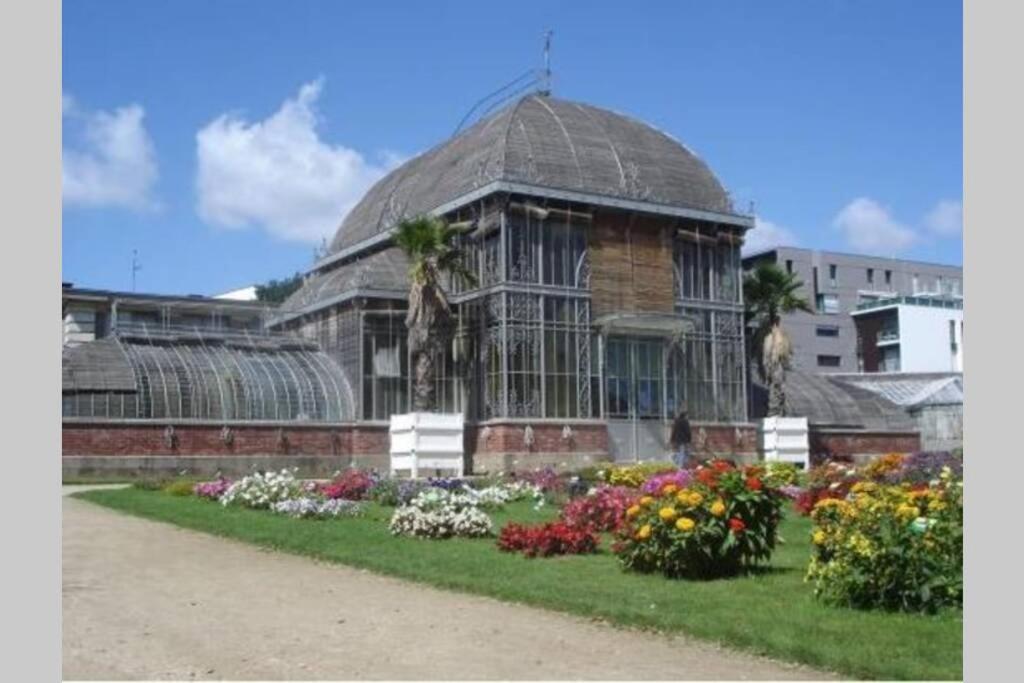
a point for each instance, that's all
(438, 513)
(604, 509)
(317, 508)
(263, 489)
(634, 476)
(547, 480)
(497, 496)
(880, 467)
(352, 484)
(891, 547)
(925, 466)
(830, 480)
(680, 478)
(724, 520)
(778, 474)
(212, 490)
(393, 492)
(544, 540)
(180, 487)
(446, 483)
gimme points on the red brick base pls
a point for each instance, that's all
(491, 446)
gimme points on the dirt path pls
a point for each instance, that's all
(143, 600)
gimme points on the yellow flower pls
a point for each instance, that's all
(696, 499)
(646, 500)
(644, 533)
(667, 514)
(718, 508)
(669, 489)
(633, 511)
(819, 537)
(685, 524)
(906, 511)
(936, 506)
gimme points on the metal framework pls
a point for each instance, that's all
(208, 377)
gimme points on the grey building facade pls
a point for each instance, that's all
(835, 284)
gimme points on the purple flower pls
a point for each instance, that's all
(680, 478)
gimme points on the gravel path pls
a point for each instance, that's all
(144, 600)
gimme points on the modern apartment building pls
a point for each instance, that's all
(911, 334)
(837, 284)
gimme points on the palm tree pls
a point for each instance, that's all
(769, 292)
(430, 245)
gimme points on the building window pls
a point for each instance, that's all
(890, 360)
(888, 277)
(828, 303)
(706, 269)
(871, 276)
(827, 330)
(789, 266)
(832, 274)
(385, 366)
(828, 361)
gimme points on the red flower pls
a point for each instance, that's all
(753, 483)
(707, 477)
(737, 525)
(721, 465)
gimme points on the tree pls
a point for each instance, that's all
(276, 291)
(768, 293)
(430, 245)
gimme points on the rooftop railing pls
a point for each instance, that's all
(930, 301)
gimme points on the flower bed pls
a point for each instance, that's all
(680, 478)
(725, 520)
(351, 485)
(891, 546)
(634, 476)
(263, 489)
(438, 513)
(545, 540)
(212, 490)
(603, 509)
(392, 492)
(317, 508)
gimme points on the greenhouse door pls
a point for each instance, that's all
(635, 398)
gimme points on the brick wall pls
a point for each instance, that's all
(134, 446)
(827, 443)
(130, 438)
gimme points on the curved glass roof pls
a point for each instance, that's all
(197, 378)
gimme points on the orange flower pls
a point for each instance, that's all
(633, 511)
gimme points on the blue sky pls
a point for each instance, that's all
(222, 139)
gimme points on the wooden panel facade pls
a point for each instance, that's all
(630, 265)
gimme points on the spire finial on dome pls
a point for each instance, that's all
(546, 90)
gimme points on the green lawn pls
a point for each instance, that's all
(773, 613)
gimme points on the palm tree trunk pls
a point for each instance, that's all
(423, 399)
(776, 352)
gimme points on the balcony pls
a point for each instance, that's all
(888, 336)
(930, 301)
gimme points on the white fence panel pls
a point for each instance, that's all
(427, 441)
(785, 439)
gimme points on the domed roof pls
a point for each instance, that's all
(548, 143)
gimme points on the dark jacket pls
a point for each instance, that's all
(680, 432)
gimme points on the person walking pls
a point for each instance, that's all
(680, 438)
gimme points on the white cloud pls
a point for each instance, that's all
(766, 234)
(111, 160)
(868, 227)
(277, 174)
(946, 219)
